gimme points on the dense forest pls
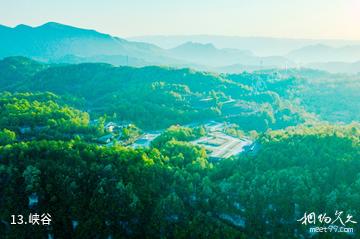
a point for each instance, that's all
(157, 97)
(305, 124)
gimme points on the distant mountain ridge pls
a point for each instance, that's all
(52, 41)
(324, 53)
(209, 55)
(261, 46)
(337, 67)
(58, 43)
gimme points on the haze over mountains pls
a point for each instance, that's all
(261, 46)
(324, 53)
(54, 42)
(57, 42)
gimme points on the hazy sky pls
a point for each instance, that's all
(278, 18)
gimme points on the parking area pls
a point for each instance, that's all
(220, 145)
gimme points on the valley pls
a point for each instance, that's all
(153, 145)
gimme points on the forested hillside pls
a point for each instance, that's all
(305, 155)
(43, 115)
(174, 192)
(165, 96)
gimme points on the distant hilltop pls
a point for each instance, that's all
(261, 46)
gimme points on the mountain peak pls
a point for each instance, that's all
(53, 24)
(46, 25)
(22, 26)
(68, 29)
(56, 25)
(191, 44)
